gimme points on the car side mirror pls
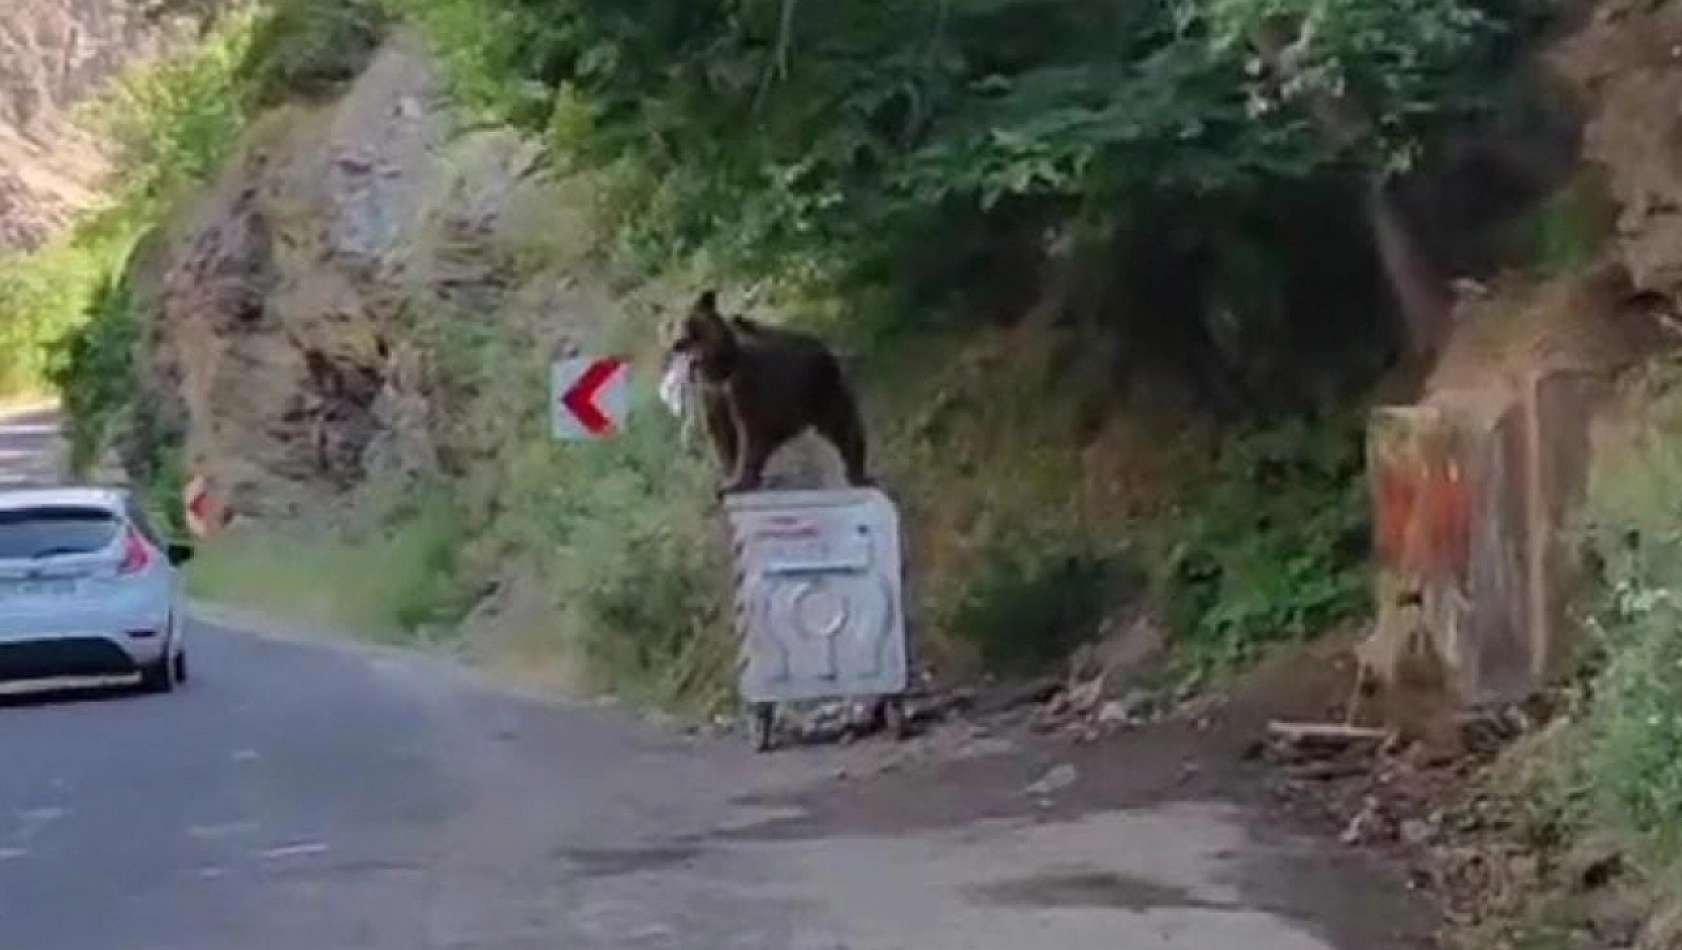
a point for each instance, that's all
(179, 554)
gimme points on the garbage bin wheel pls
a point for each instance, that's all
(896, 718)
(761, 724)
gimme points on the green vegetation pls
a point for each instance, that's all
(915, 144)
(169, 127)
(385, 571)
(42, 295)
(897, 167)
(307, 49)
(1564, 232)
(1030, 604)
(1175, 187)
(1634, 721)
(1274, 547)
(94, 372)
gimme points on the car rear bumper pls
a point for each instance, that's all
(69, 657)
(47, 656)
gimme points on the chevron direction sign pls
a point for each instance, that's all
(589, 396)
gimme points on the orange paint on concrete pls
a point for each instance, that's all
(1423, 515)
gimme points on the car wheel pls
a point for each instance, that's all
(158, 677)
(166, 673)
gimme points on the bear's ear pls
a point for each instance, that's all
(708, 303)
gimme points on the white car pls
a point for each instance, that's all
(88, 589)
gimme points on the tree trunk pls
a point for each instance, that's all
(1422, 293)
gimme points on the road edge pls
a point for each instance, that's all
(265, 626)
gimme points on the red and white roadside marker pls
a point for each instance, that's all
(589, 396)
(199, 506)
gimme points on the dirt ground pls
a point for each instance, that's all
(974, 768)
(1410, 847)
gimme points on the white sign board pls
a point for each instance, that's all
(818, 598)
(589, 396)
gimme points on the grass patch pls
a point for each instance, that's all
(390, 579)
(637, 566)
(1564, 232)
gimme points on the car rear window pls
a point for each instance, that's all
(46, 531)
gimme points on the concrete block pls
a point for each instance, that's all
(1473, 494)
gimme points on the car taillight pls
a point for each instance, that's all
(136, 554)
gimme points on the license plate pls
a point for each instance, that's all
(45, 588)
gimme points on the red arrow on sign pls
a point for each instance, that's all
(581, 398)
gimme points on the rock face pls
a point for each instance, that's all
(54, 56)
(285, 309)
(272, 308)
(292, 313)
(1627, 65)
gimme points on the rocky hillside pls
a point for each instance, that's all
(343, 324)
(359, 311)
(345, 329)
(54, 56)
(287, 308)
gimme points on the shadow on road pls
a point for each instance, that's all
(24, 696)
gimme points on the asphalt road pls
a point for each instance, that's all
(299, 795)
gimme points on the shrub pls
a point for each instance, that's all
(42, 295)
(1635, 718)
(170, 124)
(641, 578)
(655, 619)
(1034, 600)
(165, 483)
(308, 48)
(92, 367)
(1273, 546)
